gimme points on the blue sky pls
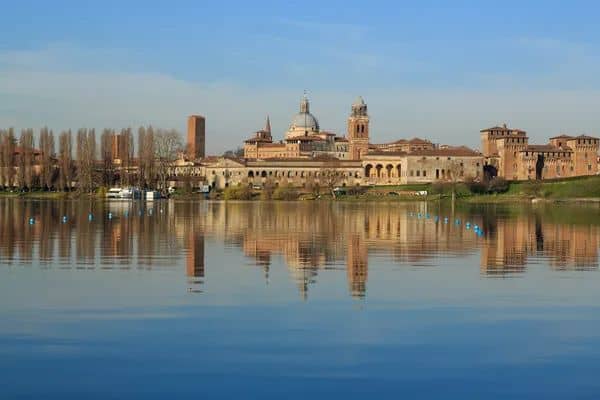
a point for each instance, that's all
(436, 69)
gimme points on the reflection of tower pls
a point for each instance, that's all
(357, 267)
(358, 130)
(195, 257)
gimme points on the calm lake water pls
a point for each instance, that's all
(297, 300)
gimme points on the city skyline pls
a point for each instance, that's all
(426, 71)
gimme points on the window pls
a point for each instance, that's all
(411, 173)
(424, 173)
(418, 173)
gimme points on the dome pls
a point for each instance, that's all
(306, 121)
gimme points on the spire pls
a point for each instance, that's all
(304, 106)
(268, 125)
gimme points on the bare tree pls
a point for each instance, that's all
(331, 176)
(146, 156)
(65, 160)
(25, 173)
(2, 145)
(149, 158)
(167, 145)
(313, 186)
(47, 149)
(86, 155)
(126, 155)
(10, 142)
(141, 181)
(454, 175)
(7, 154)
(107, 156)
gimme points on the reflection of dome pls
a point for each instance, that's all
(303, 123)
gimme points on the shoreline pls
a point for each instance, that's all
(472, 199)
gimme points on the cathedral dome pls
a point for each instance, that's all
(304, 122)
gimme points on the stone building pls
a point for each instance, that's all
(303, 139)
(308, 154)
(508, 153)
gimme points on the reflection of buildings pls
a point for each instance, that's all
(308, 237)
(357, 265)
(563, 246)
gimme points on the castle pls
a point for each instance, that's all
(509, 154)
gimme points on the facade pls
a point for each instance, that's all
(508, 152)
(196, 136)
(307, 155)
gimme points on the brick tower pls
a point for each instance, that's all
(358, 130)
(196, 137)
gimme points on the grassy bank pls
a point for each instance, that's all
(35, 195)
(499, 191)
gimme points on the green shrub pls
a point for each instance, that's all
(497, 185)
(240, 192)
(287, 192)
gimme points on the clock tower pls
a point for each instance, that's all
(358, 130)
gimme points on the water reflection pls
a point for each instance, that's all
(307, 237)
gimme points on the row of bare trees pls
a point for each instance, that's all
(25, 166)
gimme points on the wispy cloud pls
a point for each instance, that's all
(38, 88)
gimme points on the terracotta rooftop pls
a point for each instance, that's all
(271, 144)
(306, 139)
(417, 140)
(563, 136)
(414, 140)
(387, 153)
(447, 151)
(585, 137)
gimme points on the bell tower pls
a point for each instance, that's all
(358, 130)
